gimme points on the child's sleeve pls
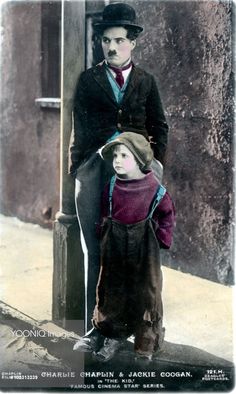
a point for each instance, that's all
(164, 218)
(104, 209)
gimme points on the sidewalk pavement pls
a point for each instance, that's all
(197, 312)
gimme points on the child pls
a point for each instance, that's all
(137, 220)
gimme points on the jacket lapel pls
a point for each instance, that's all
(134, 78)
(100, 76)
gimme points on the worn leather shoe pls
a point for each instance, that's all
(90, 342)
(109, 349)
(142, 358)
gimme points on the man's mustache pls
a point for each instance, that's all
(111, 53)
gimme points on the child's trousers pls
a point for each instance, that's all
(130, 283)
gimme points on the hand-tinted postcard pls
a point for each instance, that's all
(117, 195)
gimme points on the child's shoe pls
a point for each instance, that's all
(142, 358)
(90, 342)
(110, 348)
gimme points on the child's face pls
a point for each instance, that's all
(125, 164)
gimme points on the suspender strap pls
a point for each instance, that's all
(159, 196)
(112, 184)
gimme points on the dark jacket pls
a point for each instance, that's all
(97, 115)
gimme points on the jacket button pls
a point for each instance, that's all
(119, 125)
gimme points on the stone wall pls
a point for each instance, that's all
(187, 45)
(30, 135)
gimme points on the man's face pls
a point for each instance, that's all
(116, 46)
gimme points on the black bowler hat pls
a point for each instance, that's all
(118, 14)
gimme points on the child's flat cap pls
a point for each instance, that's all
(136, 143)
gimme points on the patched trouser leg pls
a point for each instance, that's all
(149, 333)
(90, 180)
(149, 337)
